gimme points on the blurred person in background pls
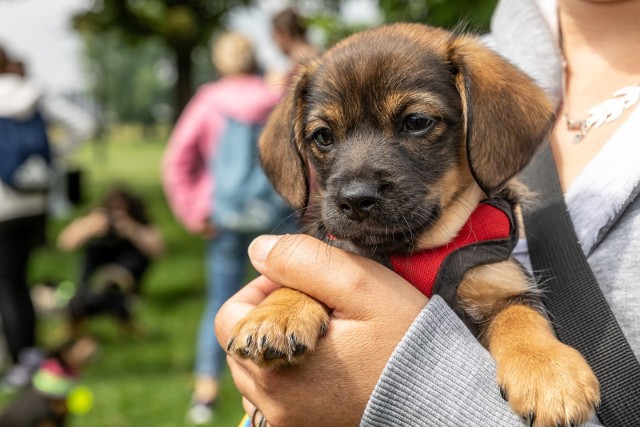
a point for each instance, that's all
(22, 214)
(76, 125)
(289, 32)
(118, 242)
(26, 115)
(212, 152)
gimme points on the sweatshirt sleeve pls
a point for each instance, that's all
(439, 375)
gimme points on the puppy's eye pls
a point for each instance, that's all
(417, 124)
(323, 138)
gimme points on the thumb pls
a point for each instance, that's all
(329, 274)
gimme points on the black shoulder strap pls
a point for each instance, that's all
(579, 311)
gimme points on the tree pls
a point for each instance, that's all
(180, 25)
(442, 13)
(474, 14)
(126, 82)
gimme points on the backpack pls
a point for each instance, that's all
(25, 154)
(244, 200)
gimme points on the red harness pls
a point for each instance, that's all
(490, 224)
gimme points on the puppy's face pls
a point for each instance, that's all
(382, 127)
(394, 124)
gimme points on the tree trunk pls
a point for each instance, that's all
(183, 89)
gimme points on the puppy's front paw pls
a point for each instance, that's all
(281, 330)
(549, 385)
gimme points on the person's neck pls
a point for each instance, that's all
(608, 28)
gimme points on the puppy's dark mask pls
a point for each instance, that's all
(394, 120)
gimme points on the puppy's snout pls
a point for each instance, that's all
(357, 200)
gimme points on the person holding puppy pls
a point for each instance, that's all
(424, 367)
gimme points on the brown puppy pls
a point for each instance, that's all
(389, 142)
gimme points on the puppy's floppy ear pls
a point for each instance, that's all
(507, 116)
(283, 158)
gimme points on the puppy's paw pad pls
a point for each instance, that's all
(550, 387)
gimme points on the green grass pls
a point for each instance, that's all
(143, 379)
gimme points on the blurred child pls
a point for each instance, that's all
(118, 241)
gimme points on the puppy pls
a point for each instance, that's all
(44, 404)
(403, 141)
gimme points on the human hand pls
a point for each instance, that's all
(124, 226)
(96, 223)
(208, 230)
(372, 309)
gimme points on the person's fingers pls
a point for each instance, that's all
(244, 380)
(248, 406)
(240, 304)
(256, 417)
(324, 272)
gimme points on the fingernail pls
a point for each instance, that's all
(261, 246)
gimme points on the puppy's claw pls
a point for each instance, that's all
(272, 354)
(230, 344)
(503, 393)
(299, 349)
(531, 419)
(292, 340)
(324, 330)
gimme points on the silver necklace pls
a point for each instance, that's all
(605, 112)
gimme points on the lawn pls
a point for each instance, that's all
(141, 379)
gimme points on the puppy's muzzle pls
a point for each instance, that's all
(358, 199)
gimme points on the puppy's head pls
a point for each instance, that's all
(394, 124)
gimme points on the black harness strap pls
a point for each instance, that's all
(580, 313)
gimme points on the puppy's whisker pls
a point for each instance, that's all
(283, 221)
(408, 229)
(429, 220)
(413, 246)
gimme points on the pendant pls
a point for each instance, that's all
(577, 125)
(574, 124)
(604, 112)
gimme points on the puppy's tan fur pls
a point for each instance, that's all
(488, 121)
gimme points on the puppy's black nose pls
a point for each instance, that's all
(357, 200)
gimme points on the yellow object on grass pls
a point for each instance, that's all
(80, 400)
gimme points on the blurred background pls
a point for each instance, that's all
(131, 66)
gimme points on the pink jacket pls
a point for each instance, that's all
(186, 178)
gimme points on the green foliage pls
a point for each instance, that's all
(126, 80)
(474, 15)
(441, 13)
(179, 25)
